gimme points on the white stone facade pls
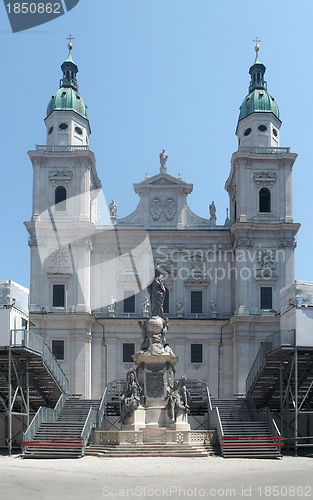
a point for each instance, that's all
(223, 280)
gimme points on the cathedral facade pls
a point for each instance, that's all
(89, 280)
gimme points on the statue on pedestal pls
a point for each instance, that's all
(178, 398)
(163, 158)
(157, 293)
(130, 399)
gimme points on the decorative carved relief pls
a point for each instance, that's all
(169, 208)
(288, 243)
(59, 258)
(155, 208)
(266, 275)
(39, 161)
(60, 176)
(155, 384)
(264, 178)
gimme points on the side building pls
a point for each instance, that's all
(89, 280)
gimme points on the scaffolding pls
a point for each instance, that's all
(30, 377)
(282, 379)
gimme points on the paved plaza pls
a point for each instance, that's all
(93, 478)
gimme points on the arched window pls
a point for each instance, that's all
(60, 198)
(265, 200)
(166, 304)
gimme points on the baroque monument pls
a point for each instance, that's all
(152, 402)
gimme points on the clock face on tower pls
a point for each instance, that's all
(266, 258)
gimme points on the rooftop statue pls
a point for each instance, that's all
(113, 208)
(163, 158)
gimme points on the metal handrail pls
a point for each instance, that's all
(25, 338)
(215, 419)
(44, 415)
(102, 408)
(264, 415)
(90, 423)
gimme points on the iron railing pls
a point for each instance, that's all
(265, 415)
(54, 148)
(44, 415)
(91, 423)
(102, 407)
(215, 420)
(35, 343)
(282, 338)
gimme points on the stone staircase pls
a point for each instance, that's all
(151, 450)
(244, 437)
(63, 438)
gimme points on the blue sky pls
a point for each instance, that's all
(156, 74)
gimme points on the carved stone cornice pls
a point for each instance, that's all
(243, 243)
(198, 283)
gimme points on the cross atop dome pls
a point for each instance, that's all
(70, 45)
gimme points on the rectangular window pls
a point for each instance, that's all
(58, 349)
(129, 302)
(196, 353)
(128, 351)
(196, 302)
(58, 295)
(266, 297)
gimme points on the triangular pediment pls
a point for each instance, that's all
(163, 180)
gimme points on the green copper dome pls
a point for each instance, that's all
(67, 97)
(258, 100)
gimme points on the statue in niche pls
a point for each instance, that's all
(178, 398)
(113, 209)
(163, 158)
(130, 398)
(180, 306)
(212, 209)
(213, 306)
(157, 293)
